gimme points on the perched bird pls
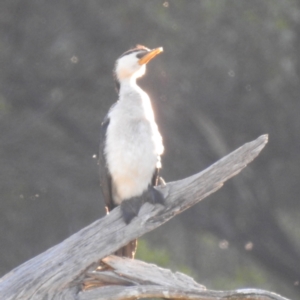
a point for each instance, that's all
(131, 144)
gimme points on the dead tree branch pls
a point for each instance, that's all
(58, 273)
(136, 279)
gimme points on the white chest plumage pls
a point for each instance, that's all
(133, 144)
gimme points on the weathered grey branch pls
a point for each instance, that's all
(136, 279)
(58, 272)
(145, 291)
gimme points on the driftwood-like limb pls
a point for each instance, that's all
(130, 293)
(137, 272)
(58, 272)
(122, 279)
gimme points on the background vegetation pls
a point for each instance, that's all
(229, 73)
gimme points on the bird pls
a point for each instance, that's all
(130, 143)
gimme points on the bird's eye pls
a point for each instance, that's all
(141, 54)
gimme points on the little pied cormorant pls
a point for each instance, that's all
(131, 145)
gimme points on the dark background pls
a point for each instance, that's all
(229, 73)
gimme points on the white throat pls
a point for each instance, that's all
(128, 69)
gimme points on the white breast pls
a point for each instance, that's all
(133, 146)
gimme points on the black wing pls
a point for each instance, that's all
(105, 178)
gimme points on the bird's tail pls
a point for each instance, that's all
(128, 250)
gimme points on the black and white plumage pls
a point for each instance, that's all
(131, 144)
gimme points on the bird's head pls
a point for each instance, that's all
(132, 63)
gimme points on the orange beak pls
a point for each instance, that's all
(145, 59)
